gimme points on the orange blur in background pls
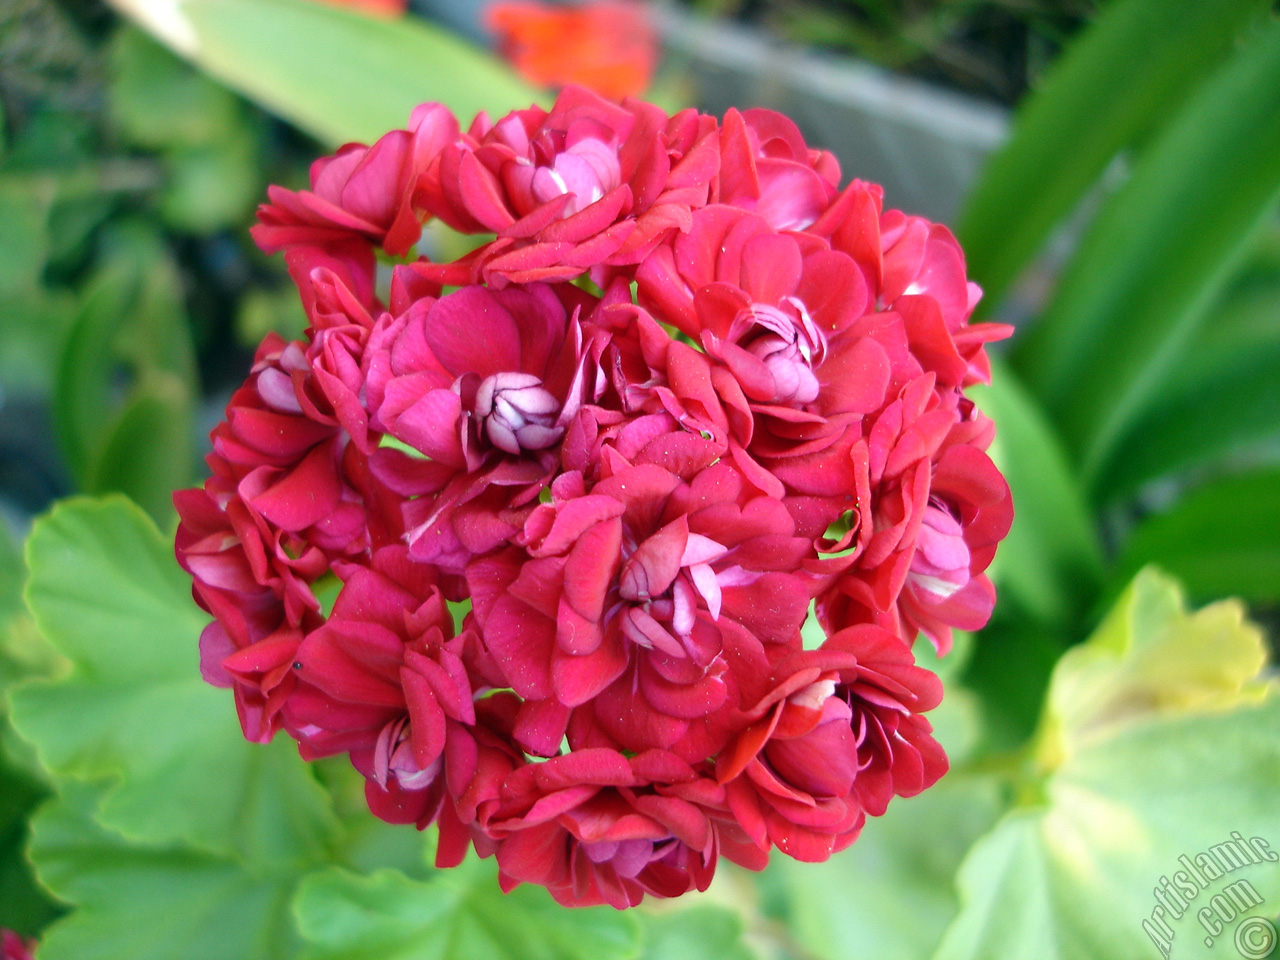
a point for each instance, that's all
(609, 46)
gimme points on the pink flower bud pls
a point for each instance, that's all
(517, 413)
(792, 376)
(941, 562)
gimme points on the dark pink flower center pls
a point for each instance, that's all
(789, 344)
(627, 857)
(661, 587)
(517, 413)
(589, 169)
(545, 168)
(393, 759)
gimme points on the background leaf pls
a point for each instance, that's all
(1155, 51)
(1155, 745)
(106, 592)
(23, 906)
(459, 914)
(142, 901)
(128, 367)
(1157, 256)
(1074, 879)
(1221, 404)
(1150, 656)
(148, 451)
(1222, 538)
(702, 932)
(1050, 565)
(891, 895)
(335, 73)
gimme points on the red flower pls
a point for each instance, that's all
(596, 827)
(970, 511)
(922, 540)
(609, 46)
(384, 681)
(767, 168)
(837, 737)
(360, 191)
(790, 355)
(587, 186)
(643, 488)
(634, 599)
(482, 384)
(916, 268)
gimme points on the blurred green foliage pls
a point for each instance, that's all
(994, 48)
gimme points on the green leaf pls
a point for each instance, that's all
(1158, 255)
(1221, 405)
(890, 896)
(367, 843)
(460, 914)
(33, 328)
(1221, 538)
(1155, 51)
(131, 326)
(1047, 572)
(105, 591)
(702, 932)
(11, 576)
(159, 101)
(24, 232)
(137, 901)
(1050, 564)
(1074, 879)
(1157, 743)
(23, 906)
(149, 452)
(1150, 656)
(335, 73)
(264, 310)
(213, 186)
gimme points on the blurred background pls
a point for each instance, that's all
(1111, 167)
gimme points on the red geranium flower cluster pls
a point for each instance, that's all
(582, 488)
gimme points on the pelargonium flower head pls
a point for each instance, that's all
(684, 393)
